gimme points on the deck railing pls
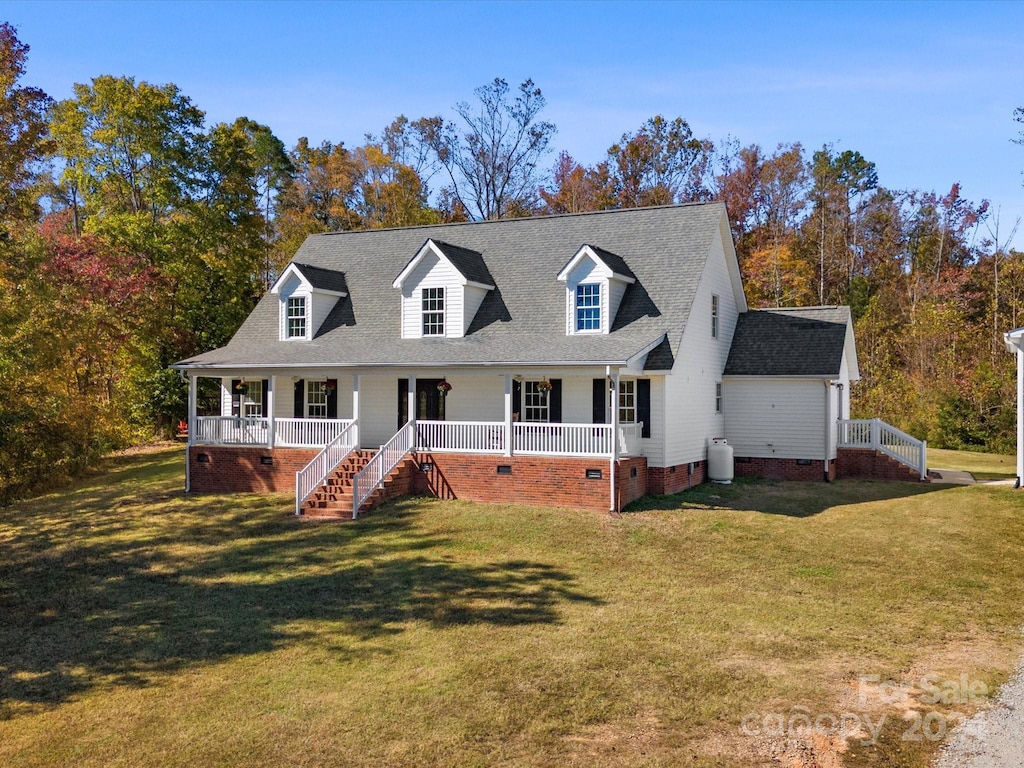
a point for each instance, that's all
(371, 477)
(461, 436)
(562, 439)
(629, 438)
(231, 430)
(310, 477)
(879, 436)
(308, 433)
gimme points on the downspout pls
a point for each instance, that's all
(1020, 417)
(828, 430)
(191, 431)
(613, 391)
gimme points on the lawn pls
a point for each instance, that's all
(984, 466)
(144, 627)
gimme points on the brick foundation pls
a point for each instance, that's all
(663, 480)
(784, 469)
(868, 463)
(240, 469)
(533, 480)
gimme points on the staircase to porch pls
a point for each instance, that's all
(332, 499)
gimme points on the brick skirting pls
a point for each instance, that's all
(664, 480)
(869, 463)
(783, 469)
(241, 469)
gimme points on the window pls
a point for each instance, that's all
(296, 321)
(714, 316)
(535, 402)
(252, 401)
(718, 397)
(627, 402)
(433, 311)
(316, 400)
(588, 307)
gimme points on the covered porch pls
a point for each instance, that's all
(508, 414)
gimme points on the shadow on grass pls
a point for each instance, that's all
(782, 497)
(124, 578)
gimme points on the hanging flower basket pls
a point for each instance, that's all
(241, 388)
(330, 385)
(544, 386)
(444, 387)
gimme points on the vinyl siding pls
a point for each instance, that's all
(689, 396)
(776, 417)
(432, 272)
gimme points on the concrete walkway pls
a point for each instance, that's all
(951, 476)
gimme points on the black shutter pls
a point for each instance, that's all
(265, 384)
(403, 402)
(236, 398)
(332, 399)
(600, 400)
(643, 405)
(300, 399)
(555, 402)
(517, 400)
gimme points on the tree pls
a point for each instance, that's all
(23, 131)
(577, 189)
(493, 164)
(660, 164)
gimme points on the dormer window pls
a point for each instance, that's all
(588, 307)
(433, 311)
(296, 323)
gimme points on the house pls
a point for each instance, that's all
(580, 360)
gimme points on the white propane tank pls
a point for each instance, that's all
(720, 468)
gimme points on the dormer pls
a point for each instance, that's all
(595, 281)
(306, 294)
(442, 287)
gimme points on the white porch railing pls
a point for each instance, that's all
(876, 434)
(461, 436)
(308, 433)
(310, 477)
(630, 434)
(231, 430)
(562, 439)
(387, 458)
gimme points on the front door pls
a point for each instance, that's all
(429, 401)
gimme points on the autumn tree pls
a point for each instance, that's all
(492, 160)
(576, 189)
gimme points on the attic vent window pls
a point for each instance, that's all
(296, 317)
(588, 307)
(714, 316)
(433, 311)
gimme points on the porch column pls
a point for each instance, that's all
(508, 414)
(269, 408)
(614, 397)
(355, 409)
(1020, 417)
(191, 416)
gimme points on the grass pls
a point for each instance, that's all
(984, 466)
(145, 627)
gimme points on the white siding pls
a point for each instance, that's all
(320, 307)
(474, 298)
(432, 272)
(615, 290)
(689, 398)
(776, 418)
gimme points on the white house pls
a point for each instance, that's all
(579, 360)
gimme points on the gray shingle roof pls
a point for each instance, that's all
(323, 279)
(614, 262)
(469, 263)
(522, 321)
(789, 342)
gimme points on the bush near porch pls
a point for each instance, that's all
(142, 626)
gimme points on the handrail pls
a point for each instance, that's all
(876, 434)
(461, 436)
(312, 476)
(371, 477)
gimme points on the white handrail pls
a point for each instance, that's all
(310, 477)
(545, 439)
(371, 477)
(885, 438)
(461, 436)
(230, 430)
(303, 433)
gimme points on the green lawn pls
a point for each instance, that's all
(984, 466)
(143, 627)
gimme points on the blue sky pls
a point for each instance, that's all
(924, 90)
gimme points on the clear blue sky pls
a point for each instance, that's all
(925, 90)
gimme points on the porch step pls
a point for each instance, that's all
(333, 499)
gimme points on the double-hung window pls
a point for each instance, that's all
(252, 401)
(433, 311)
(295, 321)
(316, 400)
(627, 402)
(535, 402)
(588, 307)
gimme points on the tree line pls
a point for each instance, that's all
(133, 234)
